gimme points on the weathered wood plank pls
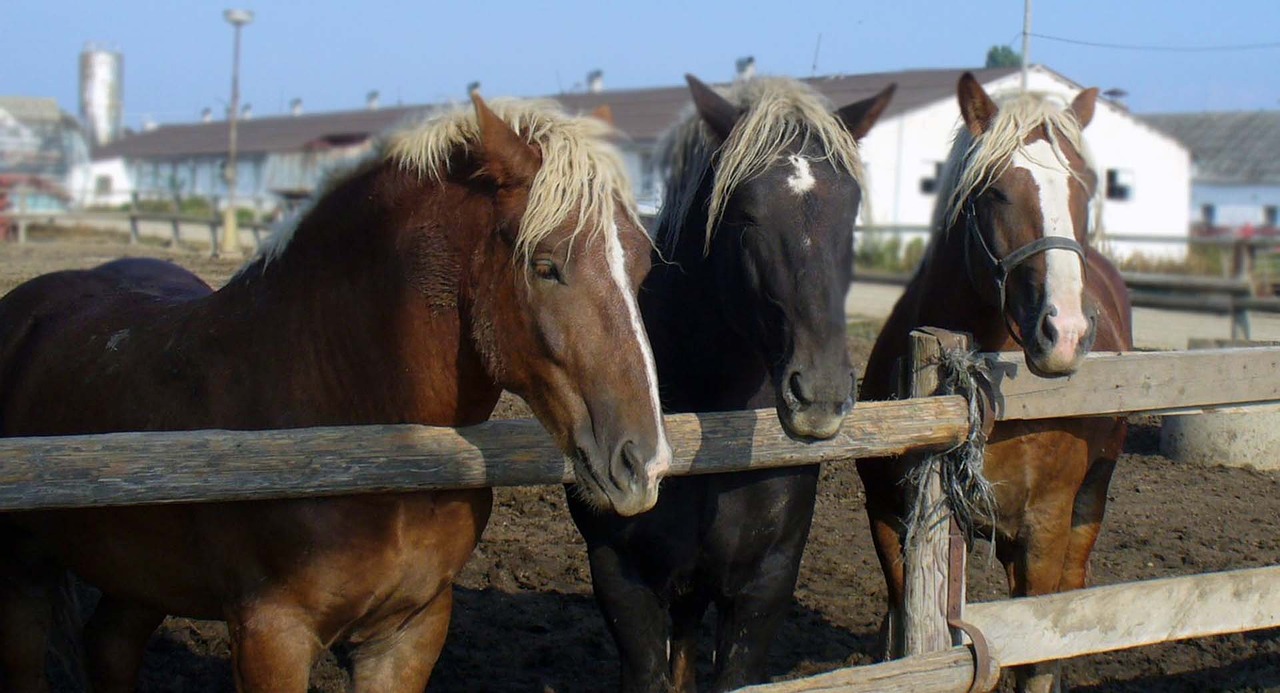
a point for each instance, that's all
(1102, 619)
(133, 468)
(925, 557)
(946, 671)
(1119, 383)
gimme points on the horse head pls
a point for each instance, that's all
(1026, 212)
(786, 196)
(553, 304)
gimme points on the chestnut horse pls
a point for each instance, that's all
(486, 249)
(763, 189)
(1010, 263)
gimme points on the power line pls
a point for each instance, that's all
(1165, 48)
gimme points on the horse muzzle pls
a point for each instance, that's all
(811, 407)
(1059, 342)
(626, 480)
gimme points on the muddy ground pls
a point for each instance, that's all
(524, 619)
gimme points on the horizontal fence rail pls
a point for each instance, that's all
(178, 466)
(167, 467)
(1071, 624)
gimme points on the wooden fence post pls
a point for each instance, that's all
(926, 555)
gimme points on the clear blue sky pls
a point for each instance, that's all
(330, 53)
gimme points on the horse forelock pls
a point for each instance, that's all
(582, 178)
(776, 113)
(974, 163)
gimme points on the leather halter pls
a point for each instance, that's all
(1001, 268)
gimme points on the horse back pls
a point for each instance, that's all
(60, 330)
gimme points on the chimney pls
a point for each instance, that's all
(206, 116)
(246, 113)
(472, 88)
(371, 100)
(295, 107)
(595, 81)
(746, 68)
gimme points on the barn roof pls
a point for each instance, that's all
(1241, 147)
(642, 114)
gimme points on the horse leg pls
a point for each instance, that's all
(115, 640)
(886, 536)
(272, 648)
(402, 661)
(1046, 534)
(636, 618)
(26, 621)
(686, 617)
(1086, 523)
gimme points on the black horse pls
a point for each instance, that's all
(745, 309)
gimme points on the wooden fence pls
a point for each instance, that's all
(133, 220)
(134, 468)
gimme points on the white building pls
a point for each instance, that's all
(1235, 177)
(1145, 173)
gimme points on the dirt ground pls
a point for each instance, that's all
(524, 619)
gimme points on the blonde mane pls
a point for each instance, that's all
(974, 163)
(776, 112)
(582, 174)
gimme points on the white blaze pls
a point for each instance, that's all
(1064, 275)
(618, 270)
(801, 180)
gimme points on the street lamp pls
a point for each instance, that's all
(230, 234)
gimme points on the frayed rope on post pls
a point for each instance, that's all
(965, 489)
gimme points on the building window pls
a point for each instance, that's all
(929, 185)
(1270, 215)
(1207, 215)
(1119, 184)
(102, 185)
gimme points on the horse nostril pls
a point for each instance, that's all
(1047, 330)
(796, 388)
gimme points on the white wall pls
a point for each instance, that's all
(1234, 205)
(903, 150)
(82, 183)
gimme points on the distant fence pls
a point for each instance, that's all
(136, 468)
(1234, 297)
(132, 223)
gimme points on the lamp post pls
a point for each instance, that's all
(230, 233)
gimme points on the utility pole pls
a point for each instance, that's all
(1026, 41)
(230, 232)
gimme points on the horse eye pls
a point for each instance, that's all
(547, 270)
(998, 196)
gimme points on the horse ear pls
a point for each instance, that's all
(976, 108)
(603, 112)
(715, 110)
(1083, 105)
(508, 159)
(859, 117)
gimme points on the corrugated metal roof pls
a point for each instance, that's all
(642, 114)
(1227, 147)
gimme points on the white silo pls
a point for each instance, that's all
(101, 93)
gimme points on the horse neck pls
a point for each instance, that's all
(694, 345)
(945, 296)
(338, 313)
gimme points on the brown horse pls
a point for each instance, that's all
(1010, 264)
(478, 251)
